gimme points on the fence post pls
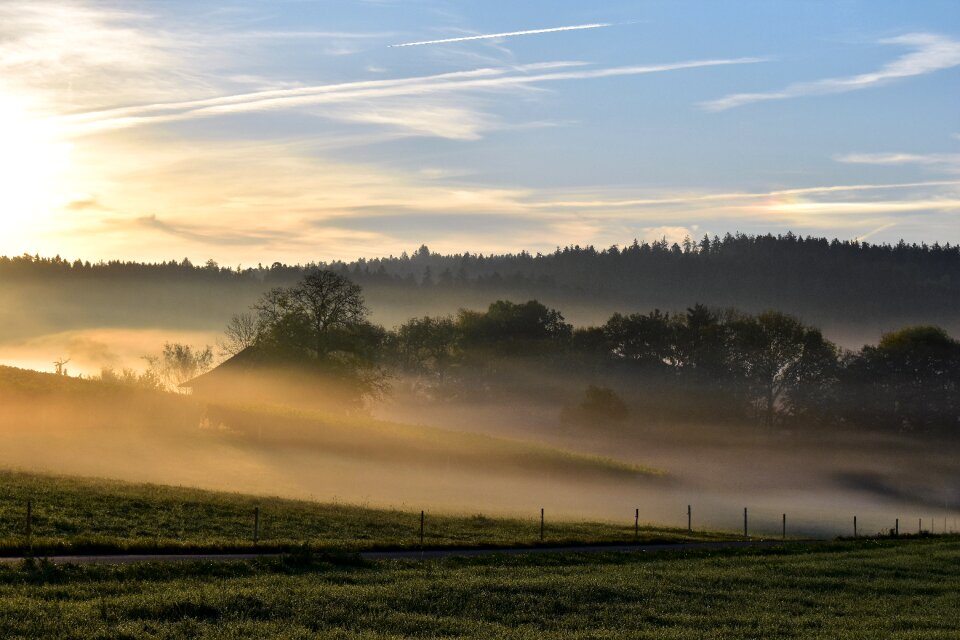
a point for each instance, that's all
(541, 524)
(256, 525)
(745, 535)
(784, 526)
(30, 526)
(422, 515)
(636, 524)
(689, 519)
(897, 529)
(854, 526)
(919, 526)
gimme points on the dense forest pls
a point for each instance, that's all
(853, 290)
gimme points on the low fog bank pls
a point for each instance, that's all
(821, 481)
(88, 351)
(88, 428)
(820, 478)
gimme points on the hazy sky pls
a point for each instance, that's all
(258, 131)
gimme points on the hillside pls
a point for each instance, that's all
(65, 425)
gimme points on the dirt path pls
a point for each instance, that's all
(420, 555)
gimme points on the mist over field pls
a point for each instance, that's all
(821, 480)
(430, 395)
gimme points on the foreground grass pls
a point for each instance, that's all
(888, 589)
(73, 515)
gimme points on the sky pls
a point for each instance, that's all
(298, 130)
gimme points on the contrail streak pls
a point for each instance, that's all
(476, 80)
(507, 34)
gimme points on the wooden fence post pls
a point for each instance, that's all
(541, 524)
(896, 531)
(636, 524)
(422, 516)
(784, 526)
(30, 526)
(745, 535)
(854, 526)
(689, 519)
(256, 525)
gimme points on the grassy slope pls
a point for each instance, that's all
(104, 406)
(83, 515)
(865, 590)
(361, 436)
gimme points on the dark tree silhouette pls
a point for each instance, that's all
(775, 354)
(321, 323)
(511, 328)
(909, 381)
(600, 407)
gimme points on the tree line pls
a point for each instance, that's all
(809, 276)
(702, 364)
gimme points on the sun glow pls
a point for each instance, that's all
(34, 163)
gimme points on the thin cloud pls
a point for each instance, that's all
(506, 34)
(214, 236)
(146, 110)
(930, 53)
(949, 162)
(879, 229)
(309, 35)
(489, 79)
(842, 207)
(780, 193)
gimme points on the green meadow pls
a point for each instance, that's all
(863, 590)
(77, 515)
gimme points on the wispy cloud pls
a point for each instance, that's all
(874, 207)
(877, 230)
(309, 35)
(949, 162)
(73, 54)
(338, 210)
(418, 118)
(487, 79)
(931, 52)
(738, 195)
(295, 96)
(214, 235)
(506, 34)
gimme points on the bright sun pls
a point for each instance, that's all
(34, 161)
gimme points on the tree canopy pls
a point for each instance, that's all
(318, 325)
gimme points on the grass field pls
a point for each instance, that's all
(73, 515)
(863, 590)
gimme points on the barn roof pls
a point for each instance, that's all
(247, 360)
